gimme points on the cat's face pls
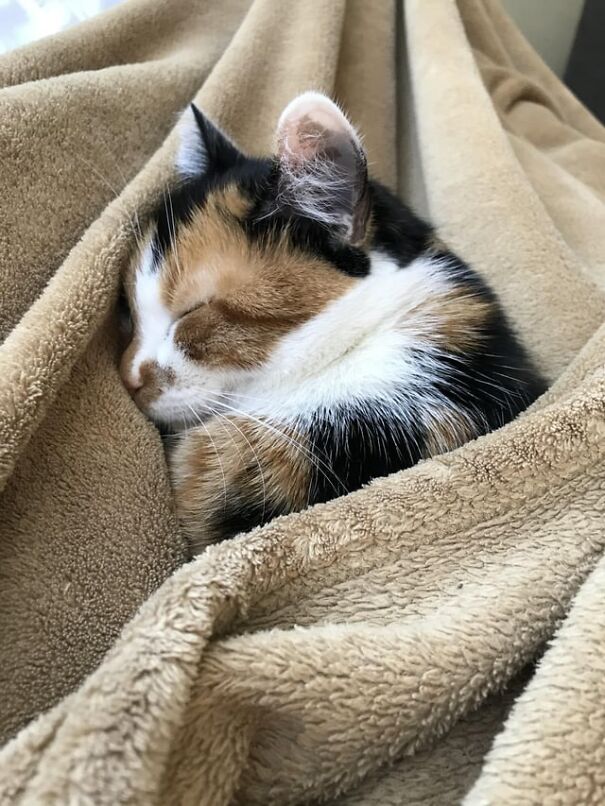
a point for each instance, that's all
(242, 256)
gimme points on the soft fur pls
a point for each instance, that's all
(342, 654)
(302, 330)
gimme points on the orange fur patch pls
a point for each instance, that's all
(460, 317)
(233, 459)
(448, 430)
(245, 295)
(154, 379)
(464, 317)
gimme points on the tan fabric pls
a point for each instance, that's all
(300, 661)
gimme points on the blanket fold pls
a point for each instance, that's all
(374, 649)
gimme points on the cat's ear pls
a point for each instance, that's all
(322, 166)
(203, 146)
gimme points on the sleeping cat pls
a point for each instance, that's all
(302, 331)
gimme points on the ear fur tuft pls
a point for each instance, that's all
(203, 146)
(323, 166)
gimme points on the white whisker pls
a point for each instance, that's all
(231, 422)
(313, 459)
(218, 458)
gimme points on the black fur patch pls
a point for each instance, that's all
(492, 383)
(242, 514)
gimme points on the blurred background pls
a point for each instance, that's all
(22, 21)
(568, 34)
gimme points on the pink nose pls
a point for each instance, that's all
(132, 380)
(132, 384)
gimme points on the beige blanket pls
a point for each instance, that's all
(369, 650)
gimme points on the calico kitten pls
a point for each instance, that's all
(302, 330)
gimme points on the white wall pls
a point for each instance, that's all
(550, 26)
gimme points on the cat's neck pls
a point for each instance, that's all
(362, 347)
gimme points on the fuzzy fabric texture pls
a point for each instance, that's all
(434, 638)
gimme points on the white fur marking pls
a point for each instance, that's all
(153, 317)
(359, 347)
(191, 158)
(371, 347)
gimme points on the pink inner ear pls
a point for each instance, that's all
(310, 125)
(323, 171)
(301, 139)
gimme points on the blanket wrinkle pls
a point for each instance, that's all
(436, 637)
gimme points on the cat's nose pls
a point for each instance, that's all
(132, 383)
(131, 376)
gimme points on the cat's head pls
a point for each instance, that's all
(241, 256)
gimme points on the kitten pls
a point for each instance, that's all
(302, 330)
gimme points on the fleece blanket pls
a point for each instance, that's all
(437, 637)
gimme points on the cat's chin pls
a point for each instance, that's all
(170, 423)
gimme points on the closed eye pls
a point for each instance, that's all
(188, 311)
(193, 308)
(182, 315)
(177, 318)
